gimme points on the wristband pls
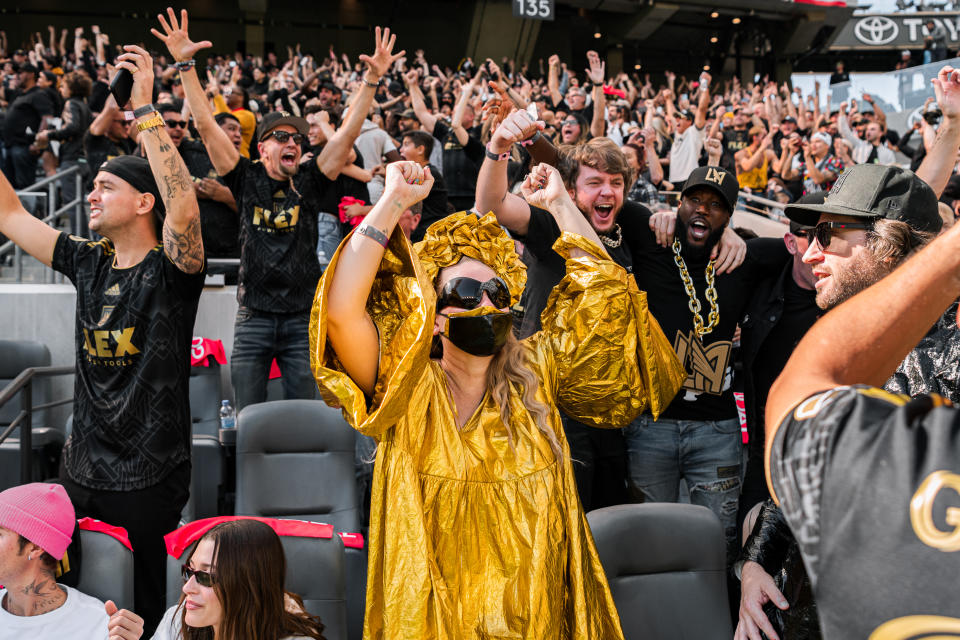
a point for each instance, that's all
(374, 234)
(155, 121)
(372, 85)
(146, 109)
(497, 157)
(529, 141)
(185, 64)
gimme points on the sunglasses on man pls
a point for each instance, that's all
(283, 136)
(824, 232)
(204, 578)
(466, 293)
(176, 124)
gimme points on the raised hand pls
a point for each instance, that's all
(946, 86)
(408, 183)
(543, 187)
(597, 69)
(382, 57)
(554, 60)
(175, 36)
(516, 127)
(138, 62)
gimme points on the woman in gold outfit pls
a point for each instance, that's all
(476, 529)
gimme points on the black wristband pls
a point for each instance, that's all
(184, 65)
(139, 112)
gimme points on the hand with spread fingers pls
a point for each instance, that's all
(176, 37)
(138, 62)
(597, 70)
(383, 58)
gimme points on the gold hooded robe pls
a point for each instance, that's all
(474, 534)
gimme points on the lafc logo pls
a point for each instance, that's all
(106, 343)
(715, 175)
(921, 512)
(277, 217)
(706, 367)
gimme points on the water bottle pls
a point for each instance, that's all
(228, 417)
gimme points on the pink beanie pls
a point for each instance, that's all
(42, 513)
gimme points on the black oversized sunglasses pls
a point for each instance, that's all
(176, 124)
(204, 578)
(283, 136)
(466, 293)
(823, 233)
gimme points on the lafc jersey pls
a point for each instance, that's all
(279, 270)
(870, 485)
(131, 412)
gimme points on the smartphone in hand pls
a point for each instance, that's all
(121, 86)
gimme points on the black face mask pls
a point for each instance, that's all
(481, 332)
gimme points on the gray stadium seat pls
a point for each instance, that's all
(106, 569)
(315, 571)
(47, 442)
(665, 564)
(208, 471)
(295, 459)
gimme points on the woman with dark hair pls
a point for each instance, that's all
(476, 529)
(234, 588)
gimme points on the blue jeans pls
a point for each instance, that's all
(258, 338)
(328, 238)
(706, 454)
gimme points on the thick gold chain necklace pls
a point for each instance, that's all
(711, 293)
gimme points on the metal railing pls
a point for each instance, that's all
(23, 385)
(46, 189)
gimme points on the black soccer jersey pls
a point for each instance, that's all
(131, 413)
(279, 270)
(870, 485)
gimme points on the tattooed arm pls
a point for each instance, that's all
(181, 225)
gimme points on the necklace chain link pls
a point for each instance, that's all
(714, 316)
(610, 242)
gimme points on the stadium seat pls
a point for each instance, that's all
(295, 459)
(208, 472)
(665, 564)
(106, 569)
(47, 442)
(315, 571)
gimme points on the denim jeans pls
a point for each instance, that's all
(20, 166)
(706, 454)
(258, 338)
(328, 238)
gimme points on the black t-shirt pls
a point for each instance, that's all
(134, 326)
(278, 236)
(545, 267)
(870, 485)
(733, 140)
(460, 162)
(220, 225)
(99, 149)
(25, 113)
(434, 205)
(707, 393)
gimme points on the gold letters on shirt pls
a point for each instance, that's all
(277, 218)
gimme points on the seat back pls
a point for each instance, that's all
(206, 393)
(295, 460)
(15, 356)
(315, 571)
(106, 569)
(666, 566)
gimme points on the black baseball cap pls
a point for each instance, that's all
(409, 114)
(279, 118)
(875, 191)
(790, 119)
(717, 178)
(685, 113)
(811, 198)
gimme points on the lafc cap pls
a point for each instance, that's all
(718, 179)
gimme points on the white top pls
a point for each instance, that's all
(81, 617)
(685, 153)
(169, 627)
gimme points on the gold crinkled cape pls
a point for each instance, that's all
(470, 537)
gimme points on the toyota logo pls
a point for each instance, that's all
(876, 30)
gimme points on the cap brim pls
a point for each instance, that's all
(809, 214)
(297, 123)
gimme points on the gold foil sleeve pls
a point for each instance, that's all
(401, 305)
(611, 358)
